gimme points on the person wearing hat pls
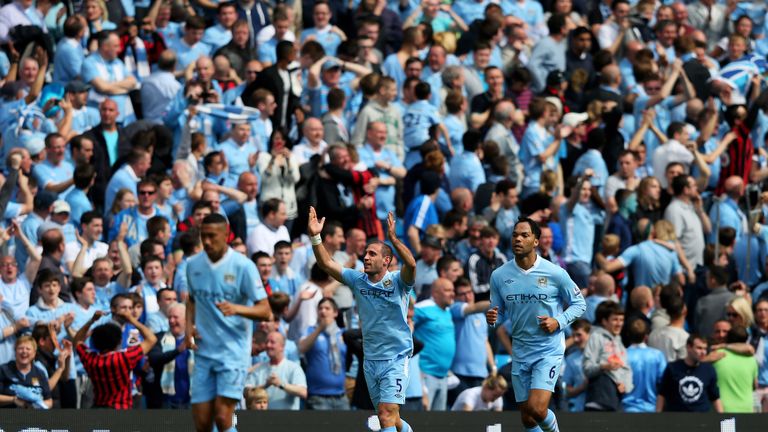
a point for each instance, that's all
(324, 75)
(549, 53)
(60, 212)
(421, 212)
(426, 266)
(83, 117)
(574, 142)
(70, 53)
(34, 143)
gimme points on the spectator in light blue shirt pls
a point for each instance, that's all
(69, 51)
(267, 51)
(539, 146)
(506, 217)
(578, 218)
(455, 120)
(171, 31)
(221, 33)
(420, 117)
(648, 365)
(325, 353)
(376, 157)
(466, 168)
(128, 175)
(159, 89)
(727, 211)
(549, 53)
(54, 174)
(77, 198)
(107, 74)
(240, 149)
(471, 10)
(84, 117)
(575, 381)
(433, 324)
(327, 35)
(472, 362)
(653, 262)
(190, 47)
(593, 161)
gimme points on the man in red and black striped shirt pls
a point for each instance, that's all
(109, 367)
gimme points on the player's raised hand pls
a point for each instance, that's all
(314, 226)
(491, 315)
(548, 324)
(391, 225)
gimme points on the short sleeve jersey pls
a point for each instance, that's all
(383, 308)
(234, 278)
(524, 295)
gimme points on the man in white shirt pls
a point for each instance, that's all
(674, 150)
(283, 379)
(80, 255)
(272, 229)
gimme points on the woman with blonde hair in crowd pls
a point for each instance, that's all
(738, 312)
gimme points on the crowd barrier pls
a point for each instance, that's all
(97, 420)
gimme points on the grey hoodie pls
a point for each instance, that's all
(601, 346)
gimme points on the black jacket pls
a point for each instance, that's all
(104, 169)
(270, 79)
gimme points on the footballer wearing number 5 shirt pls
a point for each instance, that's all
(531, 293)
(382, 301)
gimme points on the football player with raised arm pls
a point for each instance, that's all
(382, 302)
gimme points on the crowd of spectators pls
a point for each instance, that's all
(633, 132)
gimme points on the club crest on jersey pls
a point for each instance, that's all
(229, 278)
(542, 282)
(387, 283)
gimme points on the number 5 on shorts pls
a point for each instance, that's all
(399, 384)
(552, 372)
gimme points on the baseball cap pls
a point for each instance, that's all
(431, 241)
(575, 119)
(44, 199)
(430, 182)
(555, 78)
(11, 89)
(77, 86)
(34, 143)
(61, 206)
(47, 226)
(330, 64)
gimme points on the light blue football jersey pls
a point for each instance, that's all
(524, 295)
(383, 309)
(233, 278)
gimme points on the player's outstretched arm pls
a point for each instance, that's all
(408, 269)
(324, 260)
